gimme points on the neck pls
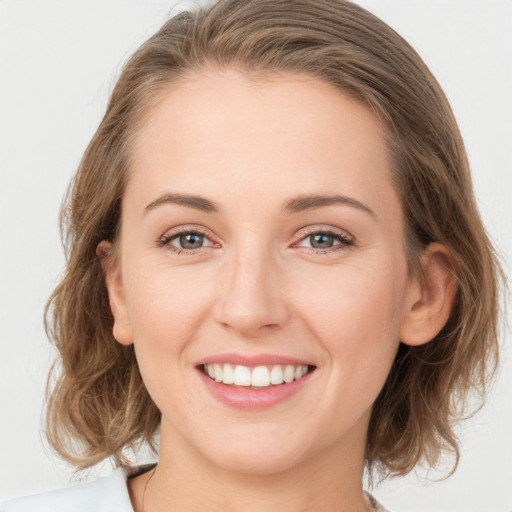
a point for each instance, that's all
(330, 481)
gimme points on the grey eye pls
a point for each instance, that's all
(321, 241)
(186, 240)
(191, 241)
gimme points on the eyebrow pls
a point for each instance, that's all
(197, 202)
(293, 205)
(311, 202)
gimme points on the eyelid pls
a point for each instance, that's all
(346, 240)
(322, 228)
(170, 234)
(344, 237)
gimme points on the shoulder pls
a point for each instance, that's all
(107, 494)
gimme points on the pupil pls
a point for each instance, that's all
(191, 241)
(321, 241)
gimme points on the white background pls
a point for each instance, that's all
(58, 62)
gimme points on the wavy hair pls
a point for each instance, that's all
(97, 403)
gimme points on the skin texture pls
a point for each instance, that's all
(257, 286)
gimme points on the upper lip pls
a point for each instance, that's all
(253, 360)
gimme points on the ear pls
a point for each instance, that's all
(122, 330)
(430, 297)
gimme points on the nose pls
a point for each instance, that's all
(252, 296)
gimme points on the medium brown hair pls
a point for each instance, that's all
(98, 405)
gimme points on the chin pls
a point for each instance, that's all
(259, 463)
(258, 451)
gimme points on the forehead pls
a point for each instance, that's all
(225, 132)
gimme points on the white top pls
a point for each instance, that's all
(107, 494)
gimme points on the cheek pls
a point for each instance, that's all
(355, 320)
(357, 317)
(166, 309)
(160, 297)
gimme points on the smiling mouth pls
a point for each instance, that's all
(257, 377)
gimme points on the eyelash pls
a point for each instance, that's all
(165, 240)
(344, 241)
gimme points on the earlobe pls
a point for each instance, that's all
(121, 329)
(430, 297)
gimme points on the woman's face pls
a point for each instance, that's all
(260, 229)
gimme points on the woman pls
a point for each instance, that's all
(276, 260)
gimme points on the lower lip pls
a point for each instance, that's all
(250, 398)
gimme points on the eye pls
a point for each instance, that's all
(188, 241)
(185, 240)
(325, 240)
(321, 241)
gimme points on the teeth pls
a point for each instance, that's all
(260, 376)
(217, 370)
(289, 374)
(228, 375)
(276, 375)
(242, 376)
